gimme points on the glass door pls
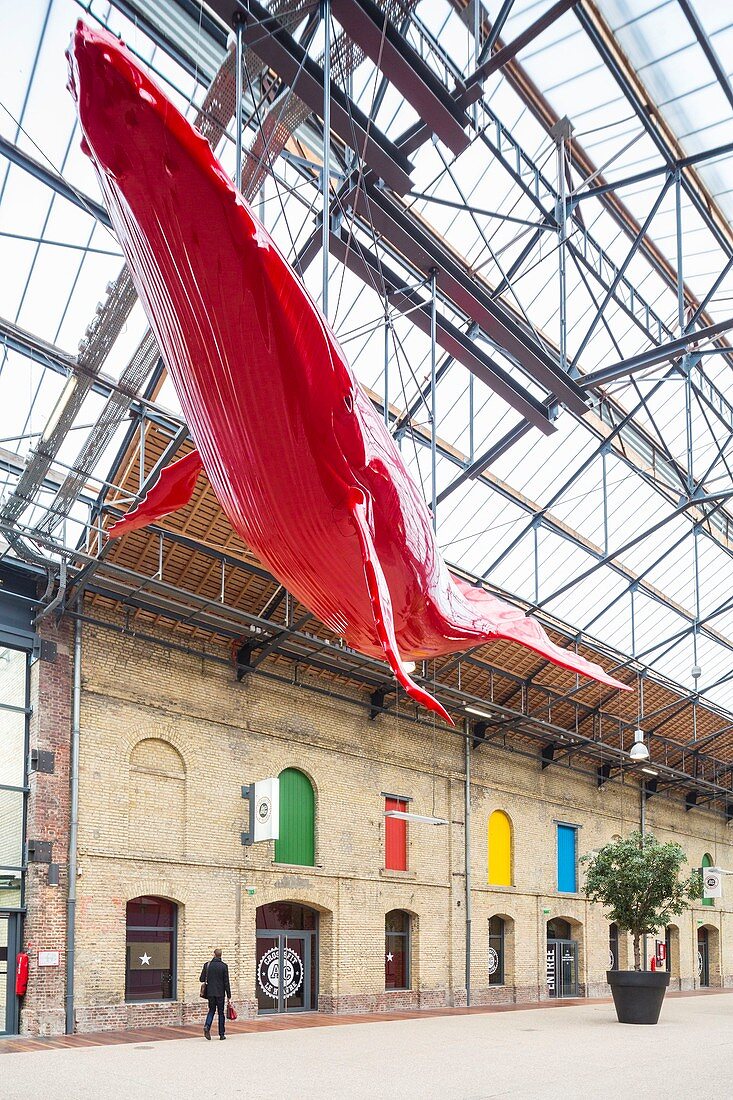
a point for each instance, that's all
(8, 1000)
(295, 978)
(286, 978)
(268, 973)
(569, 968)
(562, 968)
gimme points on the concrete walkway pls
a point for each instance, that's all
(534, 1054)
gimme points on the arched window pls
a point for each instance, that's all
(296, 843)
(157, 798)
(150, 964)
(613, 955)
(559, 929)
(397, 927)
(496, 950)
(500, 849)
(707, 861)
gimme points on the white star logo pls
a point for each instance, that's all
(390, 956)
(145, 959)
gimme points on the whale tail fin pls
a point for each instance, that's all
(512, 625)
(173, 490)
(381, 602)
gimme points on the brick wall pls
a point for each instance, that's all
(167, 741)
(42, 1010)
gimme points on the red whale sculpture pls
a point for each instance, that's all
(298, 457)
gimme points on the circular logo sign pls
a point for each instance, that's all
(263, 809)
(269, 978)
(611, 961)
(699, 963)
(493, 960)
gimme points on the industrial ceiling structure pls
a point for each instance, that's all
(522, 239)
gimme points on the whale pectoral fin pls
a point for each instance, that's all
(173, 490)
(500, 620)
(381, 602)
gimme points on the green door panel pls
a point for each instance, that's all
(297, 820)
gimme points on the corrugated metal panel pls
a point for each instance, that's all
(395, 837)
(297, 820)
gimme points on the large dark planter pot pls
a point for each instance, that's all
(638, 994)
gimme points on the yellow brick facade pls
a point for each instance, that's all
(168, 739)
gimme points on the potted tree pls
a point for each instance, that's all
(637, 879)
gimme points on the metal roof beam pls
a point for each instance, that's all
(638, 538)
(179, 604)
(592, 22)
(707, 48)
(425, 251)
(362, 262)
(676, 164)
(650, 358)
(496, 28)
(480, 464)
(474, 84)
(265, 35)
(403, 66)
(54, 181)
(40, 351)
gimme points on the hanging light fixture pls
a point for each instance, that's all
(480, 712)
(424, 819)
(639, 750)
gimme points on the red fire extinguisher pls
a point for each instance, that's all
(21, 973)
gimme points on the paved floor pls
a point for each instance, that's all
(548, 1053)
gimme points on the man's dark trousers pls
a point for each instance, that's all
(216, 1004)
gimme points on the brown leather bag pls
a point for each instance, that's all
(203, 991)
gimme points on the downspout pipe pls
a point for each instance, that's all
(467, 857)
(73, 823)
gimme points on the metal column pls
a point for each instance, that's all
(238, 58)
(325, 179)
(386, 369)
(433, 399)
(561, 132)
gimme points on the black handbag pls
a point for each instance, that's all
(204, 985)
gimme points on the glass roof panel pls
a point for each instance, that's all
(510, 170)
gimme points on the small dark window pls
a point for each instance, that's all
(150, 964)
(397, 950)
(558, 929)
(613, 956)
(284, 915)
(496, 951)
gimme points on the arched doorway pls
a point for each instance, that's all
(287, 958)
(708, 956)
(501, 950)
(703, 956)
(562, 959)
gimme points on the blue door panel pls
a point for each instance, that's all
(566, 859)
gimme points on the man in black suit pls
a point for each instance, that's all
(216, 976)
